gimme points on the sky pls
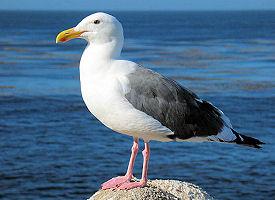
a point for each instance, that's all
(101, 5)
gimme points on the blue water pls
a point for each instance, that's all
(52, 148)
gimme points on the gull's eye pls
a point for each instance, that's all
(96, 21)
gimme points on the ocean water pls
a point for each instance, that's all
(52, 148)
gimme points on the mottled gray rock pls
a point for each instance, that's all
(156, 189)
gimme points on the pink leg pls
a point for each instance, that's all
(117, 181)
(144, 179)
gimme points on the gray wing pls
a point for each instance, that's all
(172, 105)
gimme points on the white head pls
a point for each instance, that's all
(98, 29)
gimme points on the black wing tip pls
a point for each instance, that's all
(247, 141)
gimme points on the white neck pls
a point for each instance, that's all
(96, 57)
(103, 51)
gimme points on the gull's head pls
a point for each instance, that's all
(98, 28)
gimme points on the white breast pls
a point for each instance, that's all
(103, 93)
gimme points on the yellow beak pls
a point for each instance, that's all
(67, 35)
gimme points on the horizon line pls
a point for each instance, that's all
(126, 10)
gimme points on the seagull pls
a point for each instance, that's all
(133, 100)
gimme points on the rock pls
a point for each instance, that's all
(156, 189)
